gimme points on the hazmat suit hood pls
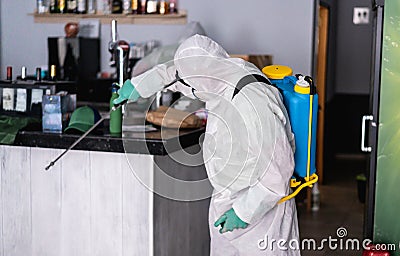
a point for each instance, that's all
(201, 69)
(206, 67)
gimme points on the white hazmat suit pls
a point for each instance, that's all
(248, 146)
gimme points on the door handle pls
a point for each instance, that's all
(365, 118)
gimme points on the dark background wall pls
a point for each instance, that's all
(353, 50)
(349, 49)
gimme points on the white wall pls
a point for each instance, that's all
(283, 28)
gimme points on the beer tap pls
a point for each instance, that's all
(119, 50)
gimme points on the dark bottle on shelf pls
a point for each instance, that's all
(72, 6)
(9, 73)
(116, 6)
(82, 6)
(54, 7)
(38, 74)
(70, 67)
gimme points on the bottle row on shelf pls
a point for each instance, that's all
(107, 6)
(66, 73)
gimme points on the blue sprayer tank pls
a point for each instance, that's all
(299, 96)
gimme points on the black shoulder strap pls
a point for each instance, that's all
(248, 80)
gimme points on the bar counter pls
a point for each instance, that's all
(160, 142)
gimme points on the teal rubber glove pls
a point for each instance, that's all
(127, 92)
(230, 221)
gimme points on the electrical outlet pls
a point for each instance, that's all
(361, 15)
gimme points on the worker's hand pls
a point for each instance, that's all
(229, 221)
(127, 92)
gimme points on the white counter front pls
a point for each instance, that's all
(89, 203)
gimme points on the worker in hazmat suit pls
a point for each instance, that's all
(248, 146)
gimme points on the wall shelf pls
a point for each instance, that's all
(151, 19)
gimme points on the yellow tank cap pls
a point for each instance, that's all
(301, 90)
(277, 71)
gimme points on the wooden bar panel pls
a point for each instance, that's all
(137, 205)
(75, 201)
(106, 203)
(46, 202)
(15, 187)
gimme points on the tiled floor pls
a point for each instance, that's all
(339, 208)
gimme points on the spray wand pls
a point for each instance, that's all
(115, 107)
